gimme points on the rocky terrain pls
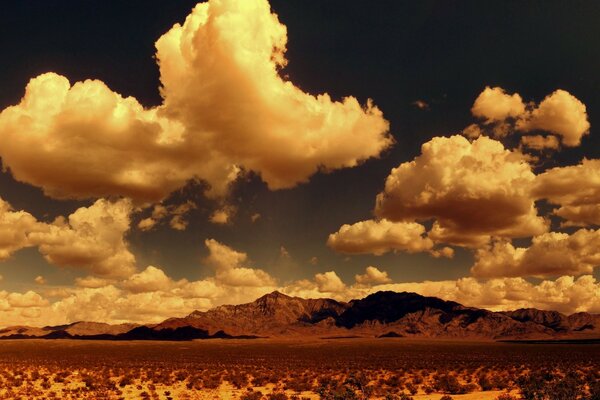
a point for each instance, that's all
(382, 314)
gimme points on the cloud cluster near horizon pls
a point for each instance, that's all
(152, 296)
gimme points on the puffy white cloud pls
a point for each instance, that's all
(560, 113)
(550, 254)
(576, 189)
(223, 215)
(329, 282)
(473, 190)
(495, 105)
(379, 237)
(26, 300)
(229, 267)
(15, 227)
(226, 56)
(149, 280)
(40, 280)
(372, 276)
(91, 239)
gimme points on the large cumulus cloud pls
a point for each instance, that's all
(225, 107)
(473, 190)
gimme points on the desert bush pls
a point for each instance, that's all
(505, 396)
(252, 395)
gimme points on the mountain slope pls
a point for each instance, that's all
(382, 314)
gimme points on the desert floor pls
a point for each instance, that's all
(280, 369)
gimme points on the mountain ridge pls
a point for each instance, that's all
(380, 314)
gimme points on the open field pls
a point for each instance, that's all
(328, 369)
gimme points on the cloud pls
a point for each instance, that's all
(40, 280)
(576, 189)
(372, 276)
(26, 300)
(329, 282)
(539, 142)
(560, 113)
(565, 294)
(92, 238)
(473, 190)
(113, 303)
(223, 215)
(229, 267)
(379, 237)
(15, 227)
(227, 56)
(495, 105)
(550, 254)
(420, 104)
(149, 280)
(177, 213)
(92, 282)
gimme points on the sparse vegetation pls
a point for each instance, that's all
(263, 370)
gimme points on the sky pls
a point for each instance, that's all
(163, 157)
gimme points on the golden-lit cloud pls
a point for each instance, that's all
(15, 227)
(559, 113)
(83, 140)
(576, 189)
(550, 254)
(92, 239)
(329, 282)
(379, 237)
(372, 276)
(149, 280)
(224, 215)
(495, 105)
(473, 190)
(230, 269)
(539, 142)
(115, 303)
(561, 116)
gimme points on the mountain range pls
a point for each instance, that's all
(382, 314)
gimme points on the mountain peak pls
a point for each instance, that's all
(276, 294)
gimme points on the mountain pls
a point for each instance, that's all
(382, 314)
(274, 314)
(76, 329)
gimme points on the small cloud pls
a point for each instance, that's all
(146, 224)
(420, 104)
(314, 261)
(283, 253)
(255, 217)
(372, 276)
(223, 215)
(40, 280)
